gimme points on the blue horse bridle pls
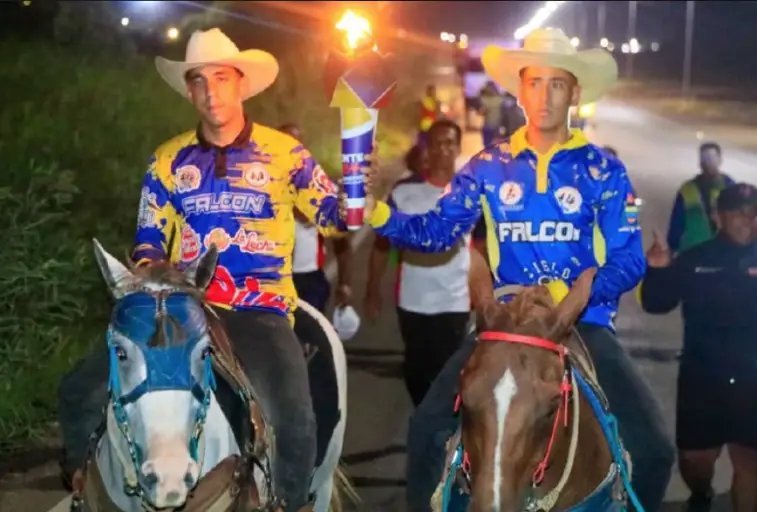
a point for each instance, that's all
(154, 321)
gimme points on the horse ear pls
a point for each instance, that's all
(571, 307)
(200, 272)
(115, 273)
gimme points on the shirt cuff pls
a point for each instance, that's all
(380, 215)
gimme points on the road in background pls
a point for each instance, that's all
(659, 154)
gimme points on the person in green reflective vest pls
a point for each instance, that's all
(692, 220)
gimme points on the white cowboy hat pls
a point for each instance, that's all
(213, 47)
(596, 70)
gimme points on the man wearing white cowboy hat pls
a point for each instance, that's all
(233, 183)
(554, 205)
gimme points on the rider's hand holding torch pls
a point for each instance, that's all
(360, 82)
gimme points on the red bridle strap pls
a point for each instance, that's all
(522, 339)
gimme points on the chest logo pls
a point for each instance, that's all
(187, 179)
(569, 199)
(510, 193)
(255, 174)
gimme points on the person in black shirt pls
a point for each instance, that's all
(716, 284)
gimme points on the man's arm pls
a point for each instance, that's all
(443, 226)
(618, 221)
(660, 291)
(677, 224)
(158, 223)
(343, 255)
(479, 239)
(315, 195)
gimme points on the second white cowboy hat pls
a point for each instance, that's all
(213, 47)
(596, 70)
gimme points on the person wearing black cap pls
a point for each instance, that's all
(716, 284)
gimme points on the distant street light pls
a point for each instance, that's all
(172, 33)
(604, 43)
(625, 48)
(634, 45)
(124, 22)
(655, 47)
(575, 42)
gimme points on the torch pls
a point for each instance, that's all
(359, 81)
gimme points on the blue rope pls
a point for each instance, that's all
(609, 425)
(453, 467)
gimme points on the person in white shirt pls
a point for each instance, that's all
(309, 258)
(433, 303)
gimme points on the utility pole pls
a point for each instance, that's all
(686, 85)
(631, 34)
(583, 28)
(601, 18)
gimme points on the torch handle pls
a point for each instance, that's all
(358, 136)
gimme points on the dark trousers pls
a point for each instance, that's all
(639, 418)
(429, 341)
(313, 288)
(273, 360)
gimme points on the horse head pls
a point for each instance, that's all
(515, 391)
(161, 378)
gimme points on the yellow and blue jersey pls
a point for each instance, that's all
(246, 211)
(548, 217)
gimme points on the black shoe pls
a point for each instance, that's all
(699, 503)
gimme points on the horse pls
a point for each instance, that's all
(536, 431)
(182, 429)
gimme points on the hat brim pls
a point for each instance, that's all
(595, 70)
(259, 68)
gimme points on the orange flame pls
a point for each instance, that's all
(357, 30)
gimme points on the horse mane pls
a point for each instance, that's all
(164, 272)
(522, 310)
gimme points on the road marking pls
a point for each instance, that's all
(504, 392)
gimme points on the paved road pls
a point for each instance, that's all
(660, 154)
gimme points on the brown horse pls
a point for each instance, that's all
(532, 440)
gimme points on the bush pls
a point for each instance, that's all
(76, 130)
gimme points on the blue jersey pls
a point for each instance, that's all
(547, 218)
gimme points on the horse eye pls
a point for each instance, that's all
(207, 351)
(121, 354)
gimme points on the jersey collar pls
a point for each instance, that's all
(518, 144)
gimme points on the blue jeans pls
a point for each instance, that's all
(640, 422)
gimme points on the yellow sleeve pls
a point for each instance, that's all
(315, 194)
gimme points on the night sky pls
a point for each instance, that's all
(724, 33)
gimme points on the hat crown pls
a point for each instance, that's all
(549, 40)
(210, 45)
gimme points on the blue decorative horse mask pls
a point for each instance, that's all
(166, 323)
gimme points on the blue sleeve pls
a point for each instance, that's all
(618, 219)
(442, 227)
(677, 224)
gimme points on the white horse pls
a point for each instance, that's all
(165, 430)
